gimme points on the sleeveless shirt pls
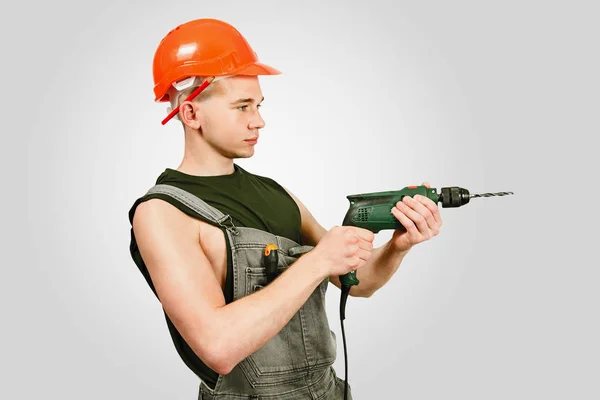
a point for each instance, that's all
(252, 201)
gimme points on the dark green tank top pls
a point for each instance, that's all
(252, 201)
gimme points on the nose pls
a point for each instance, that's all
(256, 122)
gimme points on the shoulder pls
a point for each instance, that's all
(157, 223)
(156, 208)
(154, 211)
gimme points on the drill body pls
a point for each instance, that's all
(372, 211)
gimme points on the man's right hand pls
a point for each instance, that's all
(345, 249)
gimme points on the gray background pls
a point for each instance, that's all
(378, 95)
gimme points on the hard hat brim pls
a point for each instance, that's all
(259, 68)
(256, 68)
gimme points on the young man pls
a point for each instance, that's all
(239, 332)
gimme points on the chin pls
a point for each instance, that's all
(245, 154)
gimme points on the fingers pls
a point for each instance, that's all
(360, 258)
(357, 262)
(365, 234)
(419, 215)
(361, 245)
(404, 220)
(432, 207)
(417, 212)
(357, 235)
(364, 254)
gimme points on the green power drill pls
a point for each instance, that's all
(372, 211)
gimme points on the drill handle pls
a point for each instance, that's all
(349, 279)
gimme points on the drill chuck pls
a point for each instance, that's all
(454, 197)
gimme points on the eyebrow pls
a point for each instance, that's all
(246, 100)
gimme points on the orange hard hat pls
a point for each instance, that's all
(203, 47)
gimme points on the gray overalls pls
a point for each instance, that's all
(297, 362)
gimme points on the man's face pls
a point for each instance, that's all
(231, 117)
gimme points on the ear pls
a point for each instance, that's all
(190, 114)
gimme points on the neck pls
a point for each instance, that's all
(201, 159)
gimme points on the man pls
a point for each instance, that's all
(199, 237)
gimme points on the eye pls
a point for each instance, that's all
(241, 108)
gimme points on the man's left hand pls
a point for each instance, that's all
(421, 218)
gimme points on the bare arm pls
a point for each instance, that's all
(221, 335)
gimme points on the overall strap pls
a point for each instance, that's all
(196, 204)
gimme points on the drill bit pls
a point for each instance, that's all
(491, 194)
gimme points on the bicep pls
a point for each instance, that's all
(184, 280)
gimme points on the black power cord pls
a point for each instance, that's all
(345, 292)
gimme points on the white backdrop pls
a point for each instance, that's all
(378, 95)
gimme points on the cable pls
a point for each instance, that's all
(345, 292)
